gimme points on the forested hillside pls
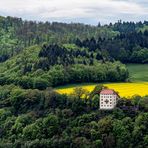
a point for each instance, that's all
(129, 47)
(17, 34)
(127, 38)
(53, 65)
(35, 57)
(33, 118)
(41, 55)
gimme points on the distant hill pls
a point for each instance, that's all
(121, 38)
(53, 65)
(40, 55)
(35, 57)
(17, 34)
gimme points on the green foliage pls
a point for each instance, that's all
(28, 72)
(33, 118)
(15, 34)
(140, 56)
(117, 41)
(80, 93)
(36, 56)
(121, 131)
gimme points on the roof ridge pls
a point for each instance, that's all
(107, 91)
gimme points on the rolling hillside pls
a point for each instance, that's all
(138, 85)
(39, 59)
(40, 55)
(138, 72)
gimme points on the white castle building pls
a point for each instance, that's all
(108, 99)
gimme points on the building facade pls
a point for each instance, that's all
(108, 99)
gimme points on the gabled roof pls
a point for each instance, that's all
(108, 91)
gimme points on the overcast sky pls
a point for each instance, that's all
(84, 11)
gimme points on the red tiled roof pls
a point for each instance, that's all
(107, 91)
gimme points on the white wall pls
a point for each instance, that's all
(112, 101)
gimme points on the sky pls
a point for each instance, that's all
(82, 11)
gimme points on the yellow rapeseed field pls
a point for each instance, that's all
(124, 89)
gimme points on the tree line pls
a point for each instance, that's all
(17, 34)
(126, 47)
(53, 65)
(33, 118)
(127, 38)
(60, 75)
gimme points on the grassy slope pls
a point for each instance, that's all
(138, 72)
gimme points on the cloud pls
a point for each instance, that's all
(86, 11)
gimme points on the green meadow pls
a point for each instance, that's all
(138, 85)
(138, 72)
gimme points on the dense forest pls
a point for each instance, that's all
(40, 55)
(53, 66)
(35, 57)
(127, 38)
(33, 118)
(17, 34)
(131, 47)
